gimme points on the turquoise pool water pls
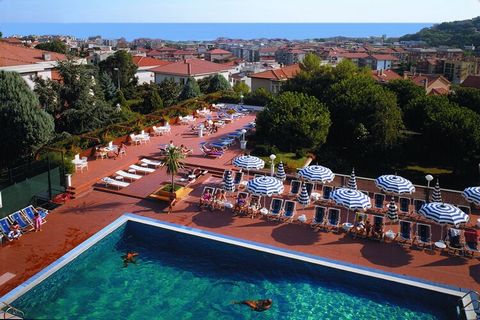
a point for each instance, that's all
(179, 276)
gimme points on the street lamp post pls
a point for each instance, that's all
(243, 143)
(241, 99)
(118, 77)
(429, 178)
(272, 167)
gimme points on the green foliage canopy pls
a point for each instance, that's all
(55, 45)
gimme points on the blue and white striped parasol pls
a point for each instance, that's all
(436, 194)
(228, 184)
(394, 184)
(443, 213)
(280, 174)
(303, 197)
(472, 194)
(249, 162)
(265, 186)
(352, 181)
(316, 173)
(351, 199)
(392, 213)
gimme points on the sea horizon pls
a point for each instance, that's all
(212, 31)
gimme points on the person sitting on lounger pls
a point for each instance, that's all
(205, 199)
(368, 228)
(471, 238)
(454, 238)
(15, 231)
(220, 199)
(185, 150)
(121, 149)
(241, 203)
(129, 258)
(257, 305)
(377, 231)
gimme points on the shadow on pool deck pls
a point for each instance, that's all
(213, 219)
(295, 235)
(396, 255)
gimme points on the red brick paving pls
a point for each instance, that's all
(77, 220)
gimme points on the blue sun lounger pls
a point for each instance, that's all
(25, 225)
(30, 213)
(289, 210)
(275, 208)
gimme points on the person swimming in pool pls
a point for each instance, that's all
(129, 258)
(256, 305)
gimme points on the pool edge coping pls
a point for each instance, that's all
(292, 254)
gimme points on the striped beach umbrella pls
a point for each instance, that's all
(316, 173)
(436, 194)
(392, 212)
(472, 194)
(303, 197)
(351, 199)
(352, 181)
(228, 184)
(443, 213)
(394, 184)
(249, 162)
(280, 174)
(265, 186)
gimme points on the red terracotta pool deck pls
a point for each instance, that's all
(80, 218)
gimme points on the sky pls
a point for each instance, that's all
(20, 11)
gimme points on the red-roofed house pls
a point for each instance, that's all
(218, 55)
(29, 62)
(272, 80)
(432, 83)
(145, 64)
(198, 69)
(471, 82)
(384, 76)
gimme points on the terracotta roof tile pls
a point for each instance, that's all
(384, 57)
(148, 62)
(385, 75)
(14, 55)
(219, 51)
(472, 82)
(190, 67)
(278, 74)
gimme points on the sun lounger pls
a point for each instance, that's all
(289, 211)
(130, 176)
(153, 163)
(423, 236)
(25, 225)
(318, 220)
(405, 234)
(377, 227)
(295, 187)
(471, 242)
(404, 205)
(241, 209)
(310, 186)
(379, 200)
(275, 208)
(141, 169)
(418, 204)
(333, 220)
(5, 228)
(327, 191)
(112, 182)
(237, 178)
(29, 212)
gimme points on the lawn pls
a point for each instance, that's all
(290, 161)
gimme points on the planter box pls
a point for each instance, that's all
(163, 195)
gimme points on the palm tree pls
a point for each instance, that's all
(173, 163)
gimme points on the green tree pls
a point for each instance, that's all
(405, 90)
(54, 46)
(169, 90)
(25, 127)
(151, 99)
(466, 97)
(218, 83)
(78, 104)
(203, 84)
(293, 121)
(259, 97)
(360, 100)
(120, 68)
(108, 87)
(173, 163)
(416, 112)
(190, 90)
(1, 34)
(310, 64)
(241, 88)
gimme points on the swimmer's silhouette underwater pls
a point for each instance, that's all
(129, 258)
(256, 305)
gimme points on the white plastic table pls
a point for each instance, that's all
(390, 234)
(119, 178)
(347, 226)
(132, 171)
(440, 245)
(263, 211)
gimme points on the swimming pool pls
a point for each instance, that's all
(190, 276)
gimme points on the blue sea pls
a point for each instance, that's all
(211, 31)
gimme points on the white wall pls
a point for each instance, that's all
(145, 76)
(182, 79)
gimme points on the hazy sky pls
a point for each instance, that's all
(237, 10)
